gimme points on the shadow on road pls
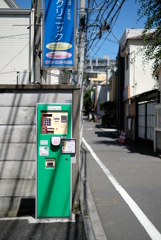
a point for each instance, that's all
(111, 138)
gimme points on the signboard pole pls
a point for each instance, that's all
(81, 62)
(36, 4)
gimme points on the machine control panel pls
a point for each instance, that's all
(54, 122)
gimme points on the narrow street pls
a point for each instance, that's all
(125, 183)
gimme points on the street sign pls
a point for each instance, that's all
(59, 34)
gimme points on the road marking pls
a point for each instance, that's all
(105, 201)
(146, 223)
(34, 221)
(104, 204)
(89, 129)
(115, 201)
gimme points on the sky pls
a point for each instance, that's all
(127, 19)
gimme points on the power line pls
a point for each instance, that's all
(106, 16)
(94, 39)
(112, 26)
(11, 36)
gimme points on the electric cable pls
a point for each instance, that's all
(110, 30)
(88, 47)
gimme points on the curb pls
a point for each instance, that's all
(92, 223)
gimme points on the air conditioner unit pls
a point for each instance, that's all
(65, 79)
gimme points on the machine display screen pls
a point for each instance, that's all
(64, 119)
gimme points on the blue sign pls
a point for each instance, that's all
(59, 27)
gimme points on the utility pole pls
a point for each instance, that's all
(36, 4)
(81, 62)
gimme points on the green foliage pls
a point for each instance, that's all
(87, 104)
(84, 76)
(101, 105)
(151, 9)
(66, 71)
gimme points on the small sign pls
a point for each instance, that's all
(57, 108)
(43, 142)
(44, 151)
(68, 146)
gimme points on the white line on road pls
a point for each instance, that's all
(42, 220)
(146, 223)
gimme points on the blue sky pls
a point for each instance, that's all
(127, 19)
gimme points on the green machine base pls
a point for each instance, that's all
(53, 190)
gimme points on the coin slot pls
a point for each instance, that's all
(50, 163)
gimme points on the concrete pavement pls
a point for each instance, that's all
(87, 224)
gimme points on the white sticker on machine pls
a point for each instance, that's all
(44, 151)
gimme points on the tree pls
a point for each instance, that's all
(151, 9)
(109, 116)
(87, 104)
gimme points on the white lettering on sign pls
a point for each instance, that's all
(43, 142)
(57, 108)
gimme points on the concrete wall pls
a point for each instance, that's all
(101, 97)
(18, 140)
(14, 48)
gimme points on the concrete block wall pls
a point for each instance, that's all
(18, 139)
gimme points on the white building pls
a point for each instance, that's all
(157, 127)
(137, 80)
(15, 46)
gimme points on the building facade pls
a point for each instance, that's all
(134, 81)
(14, 48)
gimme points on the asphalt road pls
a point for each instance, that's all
(128, 195)
(30, 230)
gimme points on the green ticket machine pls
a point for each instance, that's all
(55, 148)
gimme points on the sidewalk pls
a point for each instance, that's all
(28, 228)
